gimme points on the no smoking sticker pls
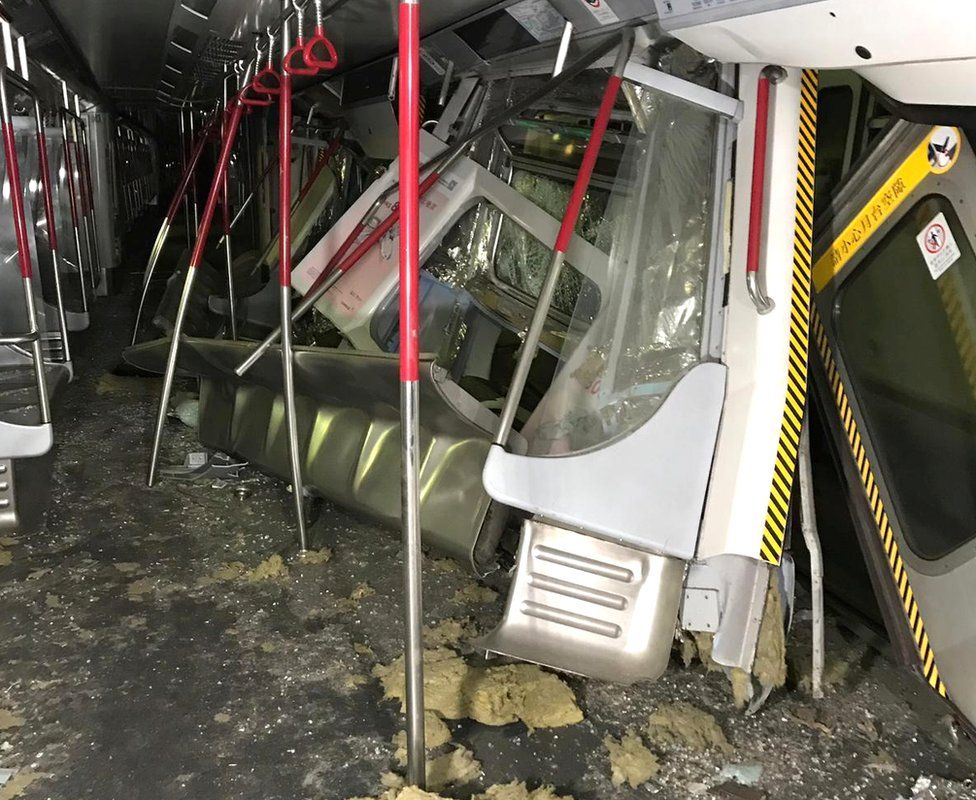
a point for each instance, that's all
(938, 246)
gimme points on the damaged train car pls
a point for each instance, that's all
(657, 316)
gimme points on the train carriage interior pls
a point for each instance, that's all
(496, 399)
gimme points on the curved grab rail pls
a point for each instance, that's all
(755, 284)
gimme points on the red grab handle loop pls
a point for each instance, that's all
(260, 85)
(321, 41)
(252, 102)
(268, 80)
(291, 67)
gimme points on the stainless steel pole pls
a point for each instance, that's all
(171, 214)
(228, 247)
(192, 197)
(183, 159)
(563, 51)
(808, 525)
(89, 183)
(47, 195)
(23, 246)
(195, 260)
(409, 80)
(52, 233)
(73, 203)
(94, 268)
(284, 276)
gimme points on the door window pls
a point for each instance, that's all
(909, 344)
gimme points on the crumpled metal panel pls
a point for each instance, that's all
(348, 419)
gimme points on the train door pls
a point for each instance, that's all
(895, 328)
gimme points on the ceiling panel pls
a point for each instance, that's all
(132, 46)
(122, 41)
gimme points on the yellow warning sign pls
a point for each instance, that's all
(935, 155)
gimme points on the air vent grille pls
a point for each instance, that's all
(217, 52)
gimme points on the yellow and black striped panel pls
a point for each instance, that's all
(959, 314)
(885, 532)
(777, 512)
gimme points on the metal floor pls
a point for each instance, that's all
(137, 676)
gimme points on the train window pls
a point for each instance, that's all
(834, 108)
(909, 344)
(463, 270)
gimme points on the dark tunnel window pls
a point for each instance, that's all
(909, 344)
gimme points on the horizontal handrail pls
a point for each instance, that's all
(19, 338)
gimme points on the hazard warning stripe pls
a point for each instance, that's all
(961, 322)
(784, 470)
(885, 531)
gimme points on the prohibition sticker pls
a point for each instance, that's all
(938, 246)
(599, 9)
(943, 149)
(936, 154)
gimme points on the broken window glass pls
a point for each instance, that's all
(647, 332)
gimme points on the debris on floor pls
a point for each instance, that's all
(263, 690)
(9, 720)
(447, 633)
(745, 774)
(630, 760)
(358, 594)
(497, 695)
(444, 565)
(455, 768)
(684, 725)
(769, 666)
(322, 556)
(272, 568)
(516, 790)
(18, 783)
(473, 593)
(125, 387)
(731, 790)
(436, 734)
(931, 788)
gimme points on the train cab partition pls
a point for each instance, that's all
(620, 447)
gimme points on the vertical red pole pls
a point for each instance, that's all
(409, 189)
(409, 121)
